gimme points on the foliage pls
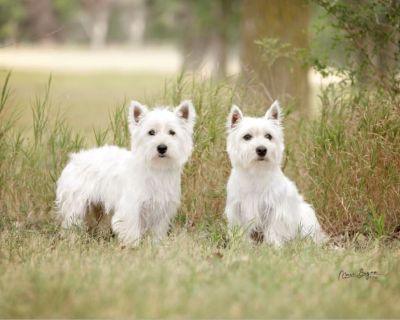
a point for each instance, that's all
(10, 14)
(165, 19)
(368, 33)
(272, 49)
(66, 9)
(351, 154)
(171, 19)
(352, 163)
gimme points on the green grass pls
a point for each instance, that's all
(188, 275)
(345, 162)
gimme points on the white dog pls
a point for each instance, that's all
(140, 188)
(261, 199)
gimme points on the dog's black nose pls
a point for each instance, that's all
(162, 148)
(261, 151)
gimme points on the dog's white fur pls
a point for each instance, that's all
(260, 197)
(140, 188)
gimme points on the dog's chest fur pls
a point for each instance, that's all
(160, 198)
(255, 208)
(257, 196)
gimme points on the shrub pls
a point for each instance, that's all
(352, 163)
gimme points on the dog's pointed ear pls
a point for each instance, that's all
(186, 112)
(234, 117)
(274, 112)
(136, 112)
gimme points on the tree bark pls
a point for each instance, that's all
(286, 20)
(389, 50)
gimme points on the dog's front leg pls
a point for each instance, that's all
(273, 237)
(160, 230)
(127, 227)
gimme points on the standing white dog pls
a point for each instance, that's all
(261, 199)
(140, 188)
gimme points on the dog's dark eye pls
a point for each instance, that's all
(247, 137)
(268, 136)
(171, 132)
(152, 132)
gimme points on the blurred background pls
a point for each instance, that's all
(102, 51)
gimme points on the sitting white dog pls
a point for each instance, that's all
(261, 199)
(140, 188)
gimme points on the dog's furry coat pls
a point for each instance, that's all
(260, 197)
(141, 187)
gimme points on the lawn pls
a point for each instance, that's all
(45, 276)
(85, 99)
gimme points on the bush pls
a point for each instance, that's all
(367, 31)
(352, 163)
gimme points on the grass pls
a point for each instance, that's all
(190, 276)
(84, 98)
(345, 161)
(352, 163)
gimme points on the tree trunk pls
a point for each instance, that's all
(219, 46)
(97, 20)
(389, 50)
(136, 21)
(287, 21)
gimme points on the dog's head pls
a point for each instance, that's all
(255, 141)
(162, 137)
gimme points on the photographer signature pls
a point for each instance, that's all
(360, 274)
